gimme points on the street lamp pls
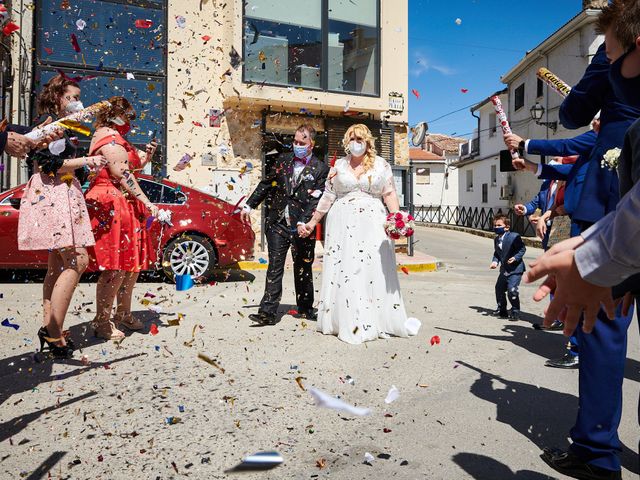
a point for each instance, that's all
(537, 112)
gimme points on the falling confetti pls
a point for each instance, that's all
(143, 23)
(435, 340)
(416, 93)
(74, 43)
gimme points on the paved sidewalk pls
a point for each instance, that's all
(419, 262)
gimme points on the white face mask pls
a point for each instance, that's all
(73, 107)
(357, 149)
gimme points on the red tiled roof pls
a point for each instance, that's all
(420, 154)
(444, 142)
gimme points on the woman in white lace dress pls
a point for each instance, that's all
(360, 296)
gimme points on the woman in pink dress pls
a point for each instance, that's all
(54, 217)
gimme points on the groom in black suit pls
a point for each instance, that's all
(291, 189)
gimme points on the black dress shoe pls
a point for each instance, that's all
(500, 313)
(307, 314)
(567, 361)
(570, 465)
(514, 315)
(263, 318)
(556, 326)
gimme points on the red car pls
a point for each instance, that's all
(206, 232)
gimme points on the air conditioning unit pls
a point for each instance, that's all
(506, 191)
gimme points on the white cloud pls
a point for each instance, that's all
(421, 65)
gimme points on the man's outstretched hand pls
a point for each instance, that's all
(573, 295)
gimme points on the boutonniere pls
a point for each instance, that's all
(308, 177)
(611, 159)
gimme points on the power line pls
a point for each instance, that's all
(451, 113)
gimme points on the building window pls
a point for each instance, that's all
(423, 176)
(493, 124)
(518, 101)
(469, 180)
(485, 193)
(331, 45)
(110, 45)
(494, 175)
(539, 88)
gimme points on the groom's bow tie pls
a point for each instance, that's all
(301, 161)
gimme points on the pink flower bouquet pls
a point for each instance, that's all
(399, 224)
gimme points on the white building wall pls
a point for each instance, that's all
(568, 60)
(490, 144)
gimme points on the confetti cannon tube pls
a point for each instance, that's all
(504, 123)
(554, 82)
(69, 122)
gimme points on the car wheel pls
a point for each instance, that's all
(189, 255)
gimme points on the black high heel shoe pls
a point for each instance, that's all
(57, 351)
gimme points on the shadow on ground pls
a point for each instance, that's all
(481, 467)
(542, 415)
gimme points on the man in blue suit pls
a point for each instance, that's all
(573, 174)
(595, 446)
(508, 252)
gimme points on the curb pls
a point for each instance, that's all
(528, 241)
(411, 267)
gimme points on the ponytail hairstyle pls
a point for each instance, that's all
(362, 131)
(49, 98)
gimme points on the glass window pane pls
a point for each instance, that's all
(109, 39)
(352, 45)
(152, 190)
(283, 42)
(146, 96)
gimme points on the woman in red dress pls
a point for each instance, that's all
(119, 210)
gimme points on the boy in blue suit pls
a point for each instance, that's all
(508, 252)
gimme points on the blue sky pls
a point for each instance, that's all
(445, 57)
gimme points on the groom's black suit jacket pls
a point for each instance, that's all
(278, 189)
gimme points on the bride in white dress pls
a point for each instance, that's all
(360, 295)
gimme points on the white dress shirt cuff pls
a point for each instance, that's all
(539, 170)
(526, 145)
(247, 209)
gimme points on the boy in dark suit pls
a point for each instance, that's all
(508, 253)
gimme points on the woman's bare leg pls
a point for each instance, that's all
(74, 261)
(54, 270)
(106, 289)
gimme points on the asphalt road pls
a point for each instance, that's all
(478, 405)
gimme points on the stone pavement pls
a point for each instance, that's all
(479, 405)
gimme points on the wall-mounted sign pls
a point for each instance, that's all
(396, 103)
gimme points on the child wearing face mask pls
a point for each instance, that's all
(509, 250)
(53, 214)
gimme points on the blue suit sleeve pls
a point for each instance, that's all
(587, 97)
(533, 205)
(521, 251)
(565, 147)
(555, 172)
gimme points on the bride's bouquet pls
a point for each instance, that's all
(399, 224)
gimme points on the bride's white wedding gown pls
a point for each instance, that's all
(360, 295)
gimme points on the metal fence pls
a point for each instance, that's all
(480, 218)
